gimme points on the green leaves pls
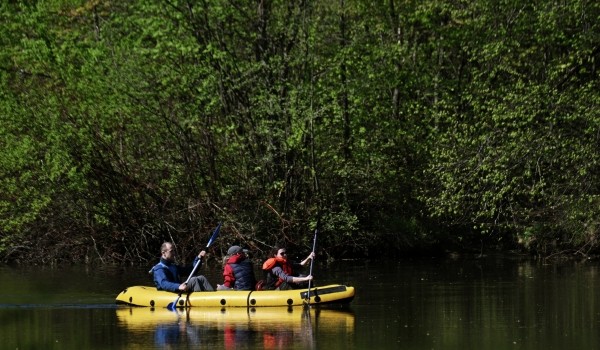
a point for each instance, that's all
(507, 159)
(393, 124)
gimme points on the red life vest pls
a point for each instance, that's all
(283, 263)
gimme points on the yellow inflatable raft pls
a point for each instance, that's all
(149, 296)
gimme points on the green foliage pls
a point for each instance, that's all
(394, 126)
(512, 158)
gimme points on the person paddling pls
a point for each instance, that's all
(280, 272)
(168, 275)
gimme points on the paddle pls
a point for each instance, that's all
(311, 266)
(173, 306)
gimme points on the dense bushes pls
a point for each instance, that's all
(398, 126)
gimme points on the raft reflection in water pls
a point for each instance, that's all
(277, 327)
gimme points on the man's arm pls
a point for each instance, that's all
(229, 277)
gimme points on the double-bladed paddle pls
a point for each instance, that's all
(173, 306)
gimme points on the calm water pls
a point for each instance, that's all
(492, 303)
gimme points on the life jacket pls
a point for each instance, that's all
(166, 276)
(273, 281)
(170, 270)
(242, 272)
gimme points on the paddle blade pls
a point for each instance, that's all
(214, 235)
(173, 306)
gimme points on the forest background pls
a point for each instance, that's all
(395, 127)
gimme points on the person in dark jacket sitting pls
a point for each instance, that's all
(238, 271)
(169, 276)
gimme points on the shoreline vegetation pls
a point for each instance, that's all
(401, 128)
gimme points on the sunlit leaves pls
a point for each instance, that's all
(378, 120)
(509, 160)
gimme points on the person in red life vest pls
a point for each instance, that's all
(168, 275)
(279, 271)
(238, 271)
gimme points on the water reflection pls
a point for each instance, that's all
(269, 328)
(424, 304)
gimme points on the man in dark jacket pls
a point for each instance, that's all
(169, 276)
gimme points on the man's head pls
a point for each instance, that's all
(234, 250)
(167, 251)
